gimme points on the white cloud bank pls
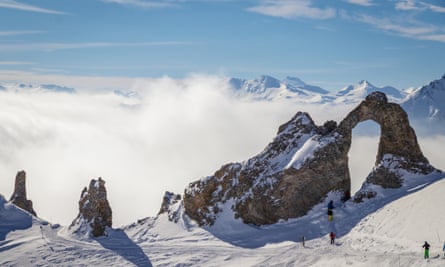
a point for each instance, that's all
(180, 131)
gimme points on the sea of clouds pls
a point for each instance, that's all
(168, 133)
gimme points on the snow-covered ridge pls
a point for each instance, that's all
(32, 88)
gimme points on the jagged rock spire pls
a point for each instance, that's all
(94, 210)
(18, 198)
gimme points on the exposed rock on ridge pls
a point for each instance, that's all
(171, 204)
(94, 211)
(304, 163)
(18, 198)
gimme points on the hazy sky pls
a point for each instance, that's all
(324, 42)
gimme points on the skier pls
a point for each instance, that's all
(330, 212)
(303, 239)
(426, 246)
(332, 236)
(331, 205)
(330, 215)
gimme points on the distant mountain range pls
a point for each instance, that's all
(425, 105)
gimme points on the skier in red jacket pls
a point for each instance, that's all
(332, 236)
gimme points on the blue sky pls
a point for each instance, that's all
(324, 42)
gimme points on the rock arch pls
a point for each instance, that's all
(304, 163)
(398, 142)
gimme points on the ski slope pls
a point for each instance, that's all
(391, 234)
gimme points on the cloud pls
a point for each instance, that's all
(434, 8)
(413, 29)
(175, 132)
(407, 5)
(141, 3)
(12, 63)
(361, 2)
(65, 46)
(13, 33)
(292, 9)
(412, 5)
(25, 7)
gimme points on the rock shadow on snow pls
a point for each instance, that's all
(118, 242)
(12, 218)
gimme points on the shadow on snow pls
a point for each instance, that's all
(118, 242)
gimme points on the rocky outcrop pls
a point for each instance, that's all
(171, 206)
(303, 164)
(19, 198)
(94, 211)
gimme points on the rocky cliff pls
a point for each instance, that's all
(304, 163)
(19, 198)
(94, 211)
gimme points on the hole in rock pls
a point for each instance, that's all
(363, 152)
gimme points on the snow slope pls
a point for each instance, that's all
(390, 236)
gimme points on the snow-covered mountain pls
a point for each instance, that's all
(352, 93)
(292, 88)
(21, 87)
(427, 102)
(425, 105)
(270, 89)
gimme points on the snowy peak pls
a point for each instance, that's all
(357, 92)
(270, 88)
(427, 102)
(294, 83)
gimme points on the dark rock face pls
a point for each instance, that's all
(94, 210)
(303, 164)
(18, 198)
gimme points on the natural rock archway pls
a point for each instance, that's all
(304, 163)
(398, 146)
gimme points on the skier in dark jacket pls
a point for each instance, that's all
(330, 212)
(330, 215)
(332, 236)
(331, 205)
(426, 246)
